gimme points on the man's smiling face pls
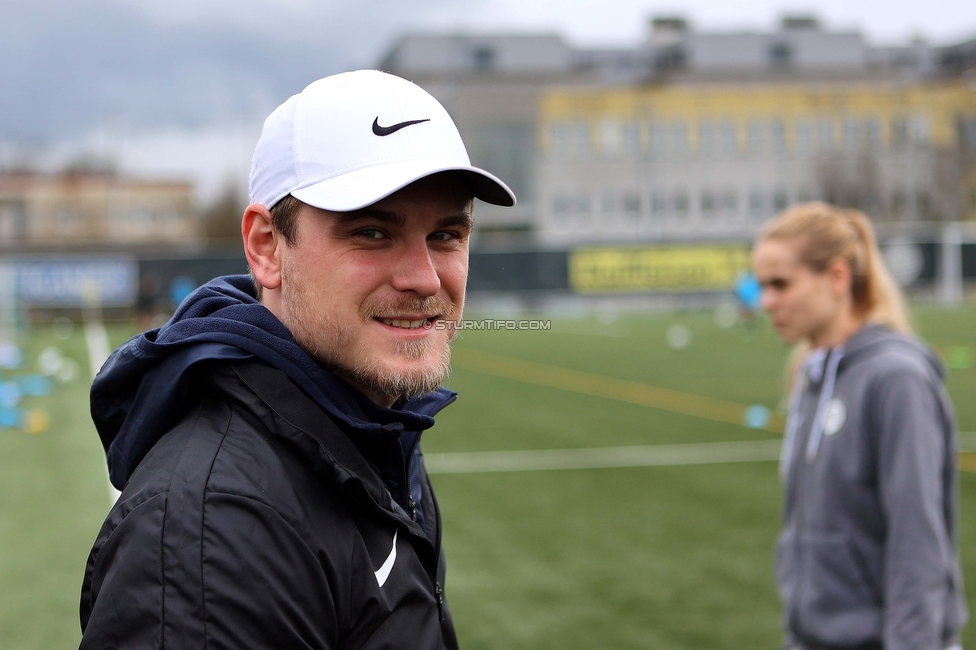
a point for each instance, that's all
(361, 291)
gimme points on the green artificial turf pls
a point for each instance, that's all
(652, 557)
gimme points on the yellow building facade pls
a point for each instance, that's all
(693, 152)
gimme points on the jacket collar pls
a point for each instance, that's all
(330, 451)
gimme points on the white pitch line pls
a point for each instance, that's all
(98, 346)
(96, 337)
(967, 441)
(607, 457)
(604, 457)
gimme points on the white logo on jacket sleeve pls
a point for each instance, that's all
(384, 571)
(835, 418)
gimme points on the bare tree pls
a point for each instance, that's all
(222, 218)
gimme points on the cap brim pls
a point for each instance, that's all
(362, 187)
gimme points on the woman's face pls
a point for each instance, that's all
(802, 303)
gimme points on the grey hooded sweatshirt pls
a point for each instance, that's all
(867, 554)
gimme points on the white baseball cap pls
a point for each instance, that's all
(351, 139)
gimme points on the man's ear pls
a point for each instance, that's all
(261, 246)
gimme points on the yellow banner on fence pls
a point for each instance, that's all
(665, 268)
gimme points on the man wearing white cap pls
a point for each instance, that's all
(266, 439)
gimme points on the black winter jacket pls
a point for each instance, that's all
(257, 523)
(264, 501)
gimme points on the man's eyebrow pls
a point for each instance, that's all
(394, 218)
(462, 219)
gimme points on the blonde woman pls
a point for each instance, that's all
(867, 555)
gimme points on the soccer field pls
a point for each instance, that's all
(598, 487)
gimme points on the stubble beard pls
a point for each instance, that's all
(324, 339)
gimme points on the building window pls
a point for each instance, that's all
(920, 131)
(484, 58)
(560, 138)
(583, 205)
(609, 202)
(729, 146)
(730, 201)
(852, 135)
(825, 132)
(967, 133)
(631, 139)
(659, 203)
(757, 204)
(780, 200)
(13, 221)
(898, 203)
(706, 139)
(581, 140)
(780, 55)
(632, 205)
(679, 138)
(657, 140)
(681, 203)
(804, 144)
(166, 215)
(778, 133)
(561, 206)
(755, 137)
(900, 136)
(67, 217)
(707, 204)
(571, 208)
(872, 129)
(923, 206)
(612, 138)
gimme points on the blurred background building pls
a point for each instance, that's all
(642, 171)
(79, 210)
(695, 138)
(701, 134)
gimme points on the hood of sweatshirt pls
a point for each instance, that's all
(873, 339)
(822, 366)
(147, 385)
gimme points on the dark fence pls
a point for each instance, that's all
(164, 280)
(529, 271)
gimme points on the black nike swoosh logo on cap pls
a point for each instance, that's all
(388, 130)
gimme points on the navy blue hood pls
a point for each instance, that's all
(146, 386)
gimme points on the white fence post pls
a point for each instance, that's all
(950, 271)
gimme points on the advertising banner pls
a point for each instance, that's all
(658, 268)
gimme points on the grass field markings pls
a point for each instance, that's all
(603, 457)
(535, 460)
(96, 338)
(967, 461)
(623, 390)
(967, 451)
(967, 440)
(609, 335)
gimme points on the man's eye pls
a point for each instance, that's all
(443, 236)
(371, 233)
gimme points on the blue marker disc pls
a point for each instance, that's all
(756, 416)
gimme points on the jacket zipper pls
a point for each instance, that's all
(411, 504)
(438, 590)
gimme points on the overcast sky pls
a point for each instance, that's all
(84, 71)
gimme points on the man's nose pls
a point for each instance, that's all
(415, 270)
(767, 301)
